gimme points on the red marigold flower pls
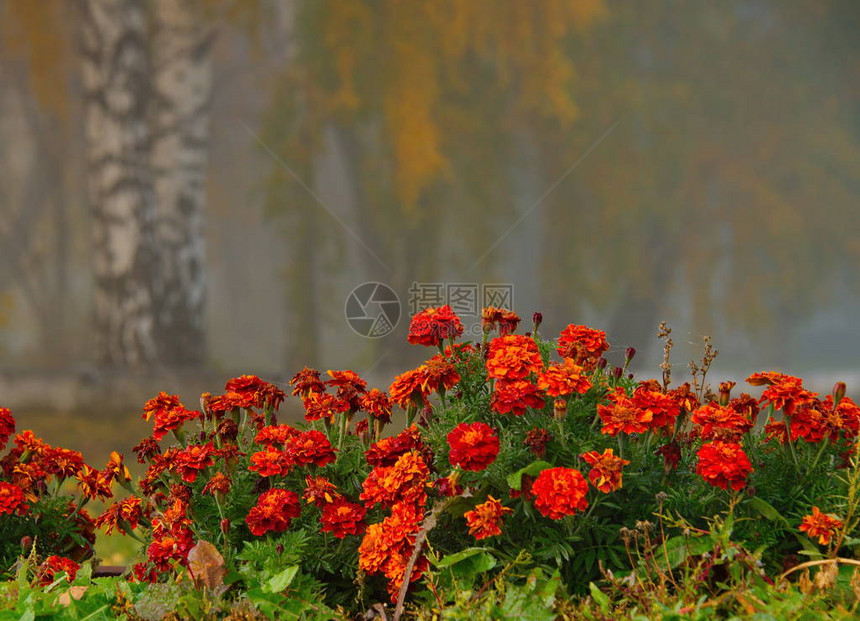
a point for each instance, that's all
(310, 447)
(434, 325)
(271, 462)
(405, 481)
(474, 446)
(255, 392)
(724, 465)
(146, 450)
(28, 442)
(387, 451)
(274, 511)
(219, 484)
(191, 460)
(776, 430)
(350, 387)
(820, 525)
(323, 405)
(168, 547)
(162, 402)
(684, 397)
(564, 379)
(623, 416)
(93, 484)
(342, 518)
(664, 408)
(784, 392)
(485, 519)
(537, 439)
(320, 491)
(440, 374)
(810, 423)
(62, 462)
(513, 357)
(506, 320)
(848, 415)
(606, 472)
(168, 420)
(306, 382)
(54, 565)
(275, 434)
(7, 426)
(671, 454)
(12, 500)
(721, 422)
(448, 486)
(409, 388)
(115, 469)
(515, 397)
(124, 515)
(559, 492)
(378, 405)
(583, 344)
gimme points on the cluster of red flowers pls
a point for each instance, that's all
(53, 565)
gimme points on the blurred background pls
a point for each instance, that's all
(190, 189)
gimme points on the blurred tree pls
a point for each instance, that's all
(419, 102)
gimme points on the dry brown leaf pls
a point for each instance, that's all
(75, 592)
(206, 566)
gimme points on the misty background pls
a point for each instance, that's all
(190, 189)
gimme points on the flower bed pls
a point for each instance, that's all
(516, 476)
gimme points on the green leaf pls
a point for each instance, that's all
(453, 559)
(282, 580)
(599, 597)
(533, 469)
(766, 510)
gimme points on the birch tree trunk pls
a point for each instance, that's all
(116, 73)
(148, 77)
(182, 75)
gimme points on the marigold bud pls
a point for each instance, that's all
(26, 544)
(601, 364)
(225, 526)
(537, 319)
(617, 372)
(559, 409)
(726, 392)
(838, 392)
(629, 354)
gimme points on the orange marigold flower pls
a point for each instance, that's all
(724, 464)
(506, 320)
(377, 404)
(409, 388)
(387, 546)
(321, 405)
(162, 402)
(191, 460)
(342, 518)
(54, 565)
(664, 408)
(168, 420)
(12, 500)
(255, 392)
(320, 491)
(563, 379)
(583, 344)
(605, 474)
(350, 387)
(124, 515)
(720, 422)
(275, 434)
(274, 511)
(623, 416)
(30, 443)
(7, 426)
(485, 519)
(559, 492)
(515, 397)
(405, 481)
(310, 447)
(684, 397)
(169, 547)
(271, 462)
(387, 451)
(434, 325)
(820, 525)
(810, 422)
(474, 446)
(306, 382)
(116, 469)
(146, 450)
(513, 357)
